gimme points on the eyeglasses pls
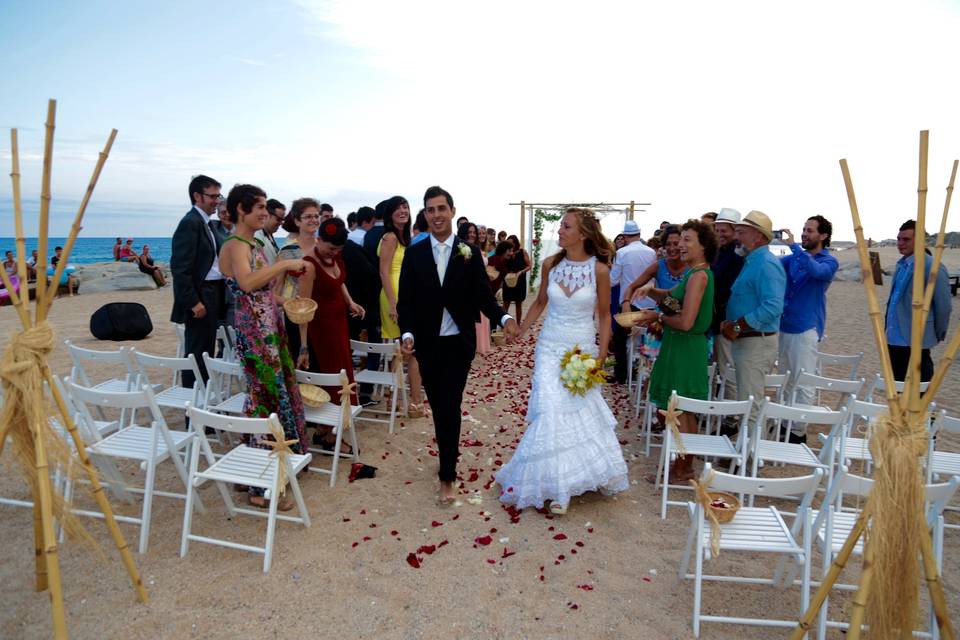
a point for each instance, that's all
(310, 217)
(215, 196)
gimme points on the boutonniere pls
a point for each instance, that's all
(465, 252)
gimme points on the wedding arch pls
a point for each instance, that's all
(533, 215)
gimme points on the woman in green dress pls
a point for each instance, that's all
(681, 365)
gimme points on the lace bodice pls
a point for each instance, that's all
(574, 275)
(572, 300)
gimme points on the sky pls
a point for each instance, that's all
(688, 106)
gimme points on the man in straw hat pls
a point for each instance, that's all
(754, 308)
(725, 269)
(899, 317)
(632, 260)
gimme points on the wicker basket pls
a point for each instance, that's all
(511, 279)
(627, 319)
(492, 272)
(313, 396)
(498, 339)
(300, 310)
(724, 514)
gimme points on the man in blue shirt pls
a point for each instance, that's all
(810, 269)
(899, 317)
(755, 307)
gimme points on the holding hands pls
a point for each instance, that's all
(511, 330)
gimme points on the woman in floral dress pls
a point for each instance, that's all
(261, 338)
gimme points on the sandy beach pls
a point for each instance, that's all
(608, 569)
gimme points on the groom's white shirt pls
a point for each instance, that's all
(447, 326)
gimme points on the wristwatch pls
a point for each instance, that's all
(736, 327)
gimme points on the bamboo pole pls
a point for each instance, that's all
(911, 387)
(940, 372)
(20, 241)
(39, 560)
(96, 489)
(805, 625)
(50, 557)
(632, 206)
(937, 258)
(523, 222)
(45, 196)
(862, 595)
(16, 300)
(874, 307)
(935, 586)
(44, 305)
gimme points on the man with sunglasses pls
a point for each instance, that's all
(276, 212)
(198, 285)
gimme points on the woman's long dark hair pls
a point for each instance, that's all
(464, 231)
(394, 203)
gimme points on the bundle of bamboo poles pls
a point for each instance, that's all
(898, 538)
(24, 369)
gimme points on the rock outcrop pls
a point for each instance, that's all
(114, 276)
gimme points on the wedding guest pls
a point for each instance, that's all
(351, 222)
(222, 228)
(501, 236)
(725, 269)
(198, 287)
(363, 284)
(682, 363)
(67, 278)
(261, 339)
(32, 265)
(619, 242)
(276, 214)
(393, 246)
(519, 264)
(630, 263)
(809, 269)
(328, 333)
(899, 314)
(667, 272)
(364, 224)
(461, 220)
(422, 229)
(116, 249)
(755, 307)
(491, 242)
(9, 264)
(145, 264)
(127, 252)
(467, 232)
(301, 223)
(497, 265)
(708, 218)
(326, 212)
(371, 240)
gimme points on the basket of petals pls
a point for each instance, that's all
(723, 505)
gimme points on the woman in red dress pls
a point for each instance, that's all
(328, 333)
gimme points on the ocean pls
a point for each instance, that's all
(89, 250)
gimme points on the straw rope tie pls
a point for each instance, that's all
(704, 499)
(22, 381)
(672, 419)
(346, 394)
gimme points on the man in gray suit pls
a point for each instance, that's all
(198, 286)
(899, 316)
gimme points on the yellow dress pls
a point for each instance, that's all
(388, 327)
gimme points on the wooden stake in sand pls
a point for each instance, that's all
(888, 594)
(24, 420)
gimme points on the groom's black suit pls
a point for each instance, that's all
(444, 360)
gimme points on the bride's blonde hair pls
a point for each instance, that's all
(594, 242)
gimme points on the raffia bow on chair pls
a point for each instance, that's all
(672, 419)
(346, 395)
(25, 418)
(703, 497)
(280, 448)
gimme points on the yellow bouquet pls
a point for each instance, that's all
(580, 371)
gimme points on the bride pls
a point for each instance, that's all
(569, 446)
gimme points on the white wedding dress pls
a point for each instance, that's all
(569, 446)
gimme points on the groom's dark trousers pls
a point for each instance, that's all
(444, 360)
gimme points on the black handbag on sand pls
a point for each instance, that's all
(121, 321)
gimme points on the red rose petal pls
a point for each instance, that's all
(373, 525)
(427, 549)
(541, 577)
(647, 579)
(363, 512)
(456, 517)
(413, 561)
(354, 545)
(560, 536)
(507, 553)
(436, 524)
(491, 561)
(346, 519)
(367, 538)
(443, 543)
(585, 587)
(573, 605)
(579, 544)
(561, 557)
(483, 540)
(589, 529)
(394, 532)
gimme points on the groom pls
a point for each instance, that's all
(443, 289)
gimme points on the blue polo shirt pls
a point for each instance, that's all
(805, 298)
(902, 284)
(757, 293)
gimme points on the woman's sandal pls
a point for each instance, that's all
(286, 504)
(558, 509)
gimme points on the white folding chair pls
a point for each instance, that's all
(332, 415)
(634, 355)
(878, 387)
(250, 466)
(836, 360)
(943, 464)
(148, 446)
(119, 362)
(224, 377)
(226, 342)
(763, 449)
(708, 446)
(725, 378)
(173, 396)
(832, 526)
(753, 530)
(389, 377)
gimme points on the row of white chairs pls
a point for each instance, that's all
(764, 530)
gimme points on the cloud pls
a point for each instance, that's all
(252, 62)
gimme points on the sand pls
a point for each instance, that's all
(611, 574)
